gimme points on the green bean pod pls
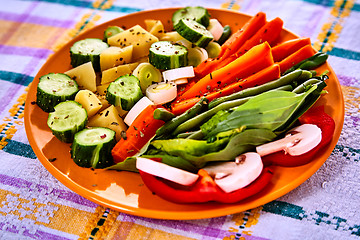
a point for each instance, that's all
(310, 63)
(169, 126)
(163, 114)
(284, 80)
(304, 86)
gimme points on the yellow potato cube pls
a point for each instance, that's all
(115, 56)
(112, 74)
(84, 75)
(109, 118)
(89, 101)
(136, 36)
(155, 27)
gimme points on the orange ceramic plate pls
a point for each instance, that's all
(124, 191)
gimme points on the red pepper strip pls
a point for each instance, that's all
(298, 56)
(204, 189)
(315, 116)
(265, 75)
(287, 48)
(138, 134)
(258, 58)
(270, 32)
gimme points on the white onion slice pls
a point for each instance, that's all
(160, 93)
(165, 171)
(137, 109)
(177, 73)
(215, 28)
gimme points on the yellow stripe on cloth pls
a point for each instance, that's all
(130, 231)
(232, 4)
(330, 30)
(30, 35)
(244, 220)
(50, 215)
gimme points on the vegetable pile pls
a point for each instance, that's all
(202, 112)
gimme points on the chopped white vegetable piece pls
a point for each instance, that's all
(165, 171)
(139, 106)
(215, 28)
(178, 73)
(162, 92)
(231, 176)
(298, 140)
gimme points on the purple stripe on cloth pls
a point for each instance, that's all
(37, 235)
(62, 194)
(310, 26)
(14, 26)
(347, 81)
(36, 20)
(25, 51)
(206, 231)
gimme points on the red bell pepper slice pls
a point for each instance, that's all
(317, 116)
(204, 189)
(138, 134)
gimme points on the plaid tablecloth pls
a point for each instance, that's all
(34, 205)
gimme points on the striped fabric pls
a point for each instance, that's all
(34, 205)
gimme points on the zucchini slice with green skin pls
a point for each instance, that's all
(54, 88)
(124, 91)
(199, 14)
(111, 31)
(225, 35)
(92, 147)
(68, 118)
(165, 55)
(87, 50)
(193, 32)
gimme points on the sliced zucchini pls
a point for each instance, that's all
(124, 91)
(147, 74)
(86, 50)
(165, 55)
(68, 118)
(54, 88)
(225, 35)
(92, 147)
(193, 32)
(199, 14)
(111, 31)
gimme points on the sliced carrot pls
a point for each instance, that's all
(137, 135)
(257, 58)
(270, 32)
(232, 45)
(298, 56)
(250, 28)
(286, 48)
(265, 75)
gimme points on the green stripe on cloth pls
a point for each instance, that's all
(17, 78)
(344, 53)
(296, 212)
(356, 6)
(19, 149)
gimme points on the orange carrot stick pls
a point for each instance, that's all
(265, 75)
(246, 32)
(298, 56)
(286, 48)
(270, 32)
(257, 58)
(232, 44)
